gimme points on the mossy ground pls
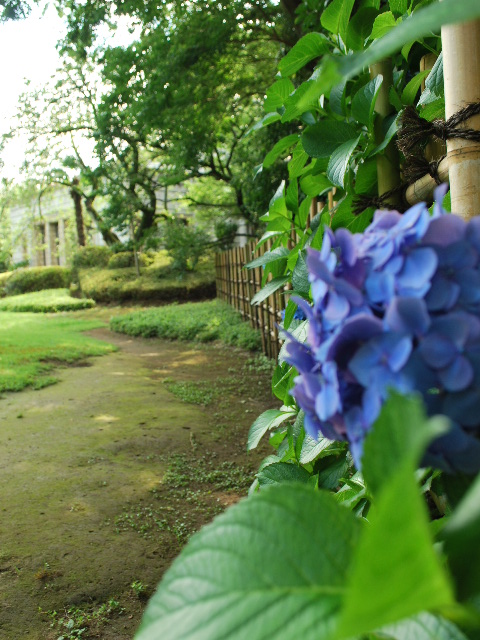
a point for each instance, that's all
(107, 473)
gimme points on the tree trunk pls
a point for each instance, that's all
(77, 203)
(109, 237)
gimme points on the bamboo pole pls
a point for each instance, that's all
(422, 190)
(388, 164)
(461, 71)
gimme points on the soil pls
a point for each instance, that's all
(106, 474)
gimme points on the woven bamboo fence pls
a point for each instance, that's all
(237, 286)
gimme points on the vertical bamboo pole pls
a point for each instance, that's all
(461, 71)
(388, 165)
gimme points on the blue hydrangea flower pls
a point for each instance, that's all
(396, 307)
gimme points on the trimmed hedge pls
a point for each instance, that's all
(155, 284)
(36, 279)
(124, 259)
(91, 257)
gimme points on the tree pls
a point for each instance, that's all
(14, 9)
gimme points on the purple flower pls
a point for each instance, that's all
(397, 307)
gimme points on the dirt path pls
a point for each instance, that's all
(106, 474)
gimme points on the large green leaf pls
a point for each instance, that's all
(266, 421)
(360, 27)
(401, 433)
(282, 472)
(269, 288)
(311, 46)
(336, 16)
(272, 566)
(315, 185)
(396, 572)
(312, 448)
(425, 626)
(363, 102)
(277, 94)
(411, 90)
(271, 256)
(277, 150)
(461, 536)
(300, 280)
(419, 24)
(321, 139)
(383, 24)
(339, 161)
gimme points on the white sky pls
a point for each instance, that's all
(28, 51)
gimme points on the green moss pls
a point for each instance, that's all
(47, 301)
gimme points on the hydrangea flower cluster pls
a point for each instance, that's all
(396, 307)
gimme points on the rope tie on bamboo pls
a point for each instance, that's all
(415, 130)
(363, 202)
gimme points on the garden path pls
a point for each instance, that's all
(105, 474)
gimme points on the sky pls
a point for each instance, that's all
(28, 51)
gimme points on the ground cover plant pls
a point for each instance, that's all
(31, 279)
(46, 301)
(365, 522)
(32, 345)
(200, 321)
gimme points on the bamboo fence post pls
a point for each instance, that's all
(388, 164)
(461, 71)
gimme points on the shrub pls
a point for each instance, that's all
(91, 257)
(36, 279)
(3, 280)
(201, 321)
(125, 259)
(185, 245)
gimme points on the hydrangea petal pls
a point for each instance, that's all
(458, 375)
(408, 315)
(445, 230)
(418, 268)
(437, 350)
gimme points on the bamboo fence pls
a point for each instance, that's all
(237, 285)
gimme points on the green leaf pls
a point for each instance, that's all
(291, 196)
(298, 161)
(300, 279)
(396, 572)
(461, 536)
(281, 146)
(271, 256)
(363, 102)
(399, 6)
(402, 432)
(277, 94)
(312, 448)
(282, 472)
(391, 131)
(269, 288)
(315, 185)
(337, 98)
(321, 139)
(339, 160)
(384, 23)
(410, 92)
(268, 420)
(425, 626)
(336, 16)
(435, 80)
(303, 211)
(311, 46)
(434, 110)
(240, 577)
(366, 177)
(330, 477)
(264, 122)
(360, 27)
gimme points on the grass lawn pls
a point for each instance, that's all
(32, 344)
(48, 300)
(199, 321)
